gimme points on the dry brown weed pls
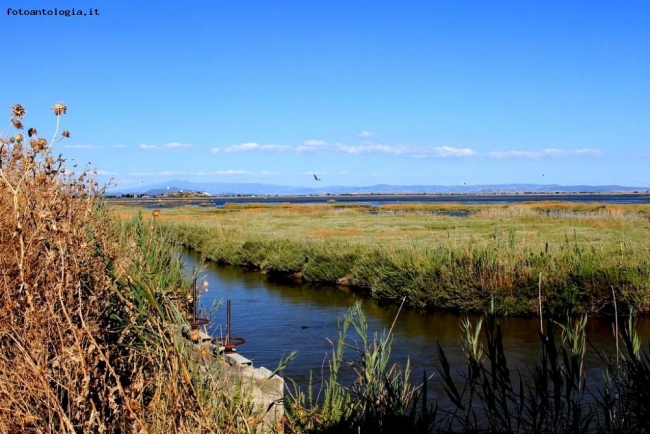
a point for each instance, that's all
(57, 372)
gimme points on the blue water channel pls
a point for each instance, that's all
(278, 317)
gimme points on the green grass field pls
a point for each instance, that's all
(582, 251)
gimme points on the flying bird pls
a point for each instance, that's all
(316, 178)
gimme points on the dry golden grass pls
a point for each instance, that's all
(87, 317)
(55, 369)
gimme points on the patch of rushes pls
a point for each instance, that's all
(484, 395)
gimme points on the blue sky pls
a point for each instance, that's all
(358, 92)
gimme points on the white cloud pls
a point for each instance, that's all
(315, 142)
(447, 151)
(120, 146)
(247, 147)
(231, 172)
(367, 147)
(176, 145)
(514, 154)
(370, 149)
(550, 152)
(312, 145)
(589, 152)
(268, 173)
(416, 152)
(107, 173)
(411, 151)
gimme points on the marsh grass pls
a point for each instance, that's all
(438, 261)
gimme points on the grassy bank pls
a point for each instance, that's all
(438, 261)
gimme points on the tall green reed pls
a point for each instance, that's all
(380, 399)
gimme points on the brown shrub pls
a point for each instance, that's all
(57, 372)
(89, 338)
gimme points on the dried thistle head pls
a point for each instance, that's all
(66, 134)
(38, 144)
(16, 123)
(18, 137)
(18, 111)
(32, 132)
(59, 109)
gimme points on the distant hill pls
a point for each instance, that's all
(217, 188)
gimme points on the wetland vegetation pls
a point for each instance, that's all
(573, 254)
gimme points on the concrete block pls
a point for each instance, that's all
(235, 359)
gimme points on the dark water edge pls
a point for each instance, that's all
(277, 317)
(384, 199)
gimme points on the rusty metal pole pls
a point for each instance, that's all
(194, 295)
(228, 321)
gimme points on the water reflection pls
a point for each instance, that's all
(278, 317)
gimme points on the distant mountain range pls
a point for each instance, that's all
(217, 188)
